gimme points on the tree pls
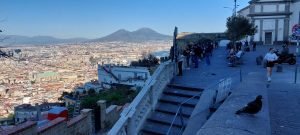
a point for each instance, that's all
(148, 61)
(77, 94)
(84, 92)
(91, 92)
(61, 98)
(239, 27)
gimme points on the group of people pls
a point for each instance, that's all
(234, 56)
(194, 52)
(240, 45)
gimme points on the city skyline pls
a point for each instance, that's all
(94, 19)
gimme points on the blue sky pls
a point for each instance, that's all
(97, 18)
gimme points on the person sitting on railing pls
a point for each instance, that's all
(234, 58)
(239, 54)
(230, 53)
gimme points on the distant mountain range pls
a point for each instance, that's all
(36, 40)
(140, 35)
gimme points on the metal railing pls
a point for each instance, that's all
(218, 92)
(296, 73)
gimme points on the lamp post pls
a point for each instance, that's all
(235, 6)
(234, 17)
(232, 9)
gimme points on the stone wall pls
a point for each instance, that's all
(27, 128)
(80, 125)
(112, 115)
(109, 115)
(56, 126)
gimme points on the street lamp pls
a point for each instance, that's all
(235, 7)
(233, 10)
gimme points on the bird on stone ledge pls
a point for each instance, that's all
(252, 107)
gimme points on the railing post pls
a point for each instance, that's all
(296, 72)
(181, 119)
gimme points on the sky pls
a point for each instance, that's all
(98, 18)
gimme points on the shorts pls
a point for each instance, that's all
(270, 64)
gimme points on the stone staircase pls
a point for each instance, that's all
(159, 121)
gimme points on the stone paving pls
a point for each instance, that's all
(284, 113)
(285, 109)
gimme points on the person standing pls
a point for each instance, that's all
(207, 55)
(187, 55)
(197, 55)
(254, 46)
(180, 62)
(270, 58)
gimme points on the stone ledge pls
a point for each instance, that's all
(225, 121)
(19, 128)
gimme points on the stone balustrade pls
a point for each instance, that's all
(133, 117)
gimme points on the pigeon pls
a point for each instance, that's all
(252, 107)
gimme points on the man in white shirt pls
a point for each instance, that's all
(270, 58)
(239, 54)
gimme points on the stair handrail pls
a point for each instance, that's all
(179, 110)
(125, 123)
(112, 74)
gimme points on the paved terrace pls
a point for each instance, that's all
(281, 112)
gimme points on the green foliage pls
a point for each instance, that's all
(91, 92)
(77, 93)
(61, 98)
(118, 96)
(146, 62)
(93, 60)
(18, 51)
(10, 116)
(84, 92)
(239, 27)
(70, 110)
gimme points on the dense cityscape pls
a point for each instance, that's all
(214, 67)
(40, 74)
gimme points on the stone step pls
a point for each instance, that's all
(182, 93)
(172, 109)
(155, 128)
(177, 100)
(184, 87)
(166, 118)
